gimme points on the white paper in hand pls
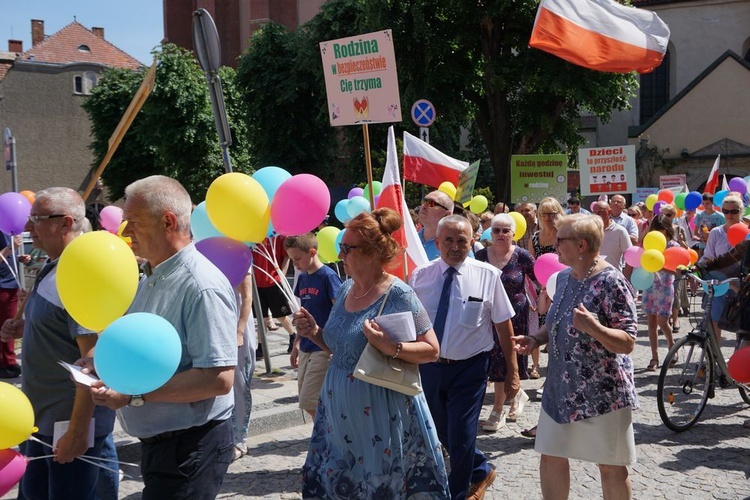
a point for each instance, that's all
(78, 375)
(399, 326)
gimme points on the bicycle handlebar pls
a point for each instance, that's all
(710, 282)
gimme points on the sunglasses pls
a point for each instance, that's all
(345, 249)
(426, 202)
(549, 214)
(504, 230)
(559, 240)
(730, 211)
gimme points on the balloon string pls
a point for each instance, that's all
(286, 289)
(13, 271)
(81, 457)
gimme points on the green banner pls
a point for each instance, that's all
(466, 183)
(534, 177)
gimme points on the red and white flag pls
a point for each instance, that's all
(424, 164)
(391, 196)
(713, 178)
(601, 35)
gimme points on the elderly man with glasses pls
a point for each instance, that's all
(435, 206)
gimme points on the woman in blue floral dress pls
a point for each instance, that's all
(589, 396)
(368, 441)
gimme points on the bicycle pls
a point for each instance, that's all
(687, 378)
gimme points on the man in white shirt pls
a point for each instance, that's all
(618, 215)
(616, 239)
(467, 304)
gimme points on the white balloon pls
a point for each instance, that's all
(552, 285)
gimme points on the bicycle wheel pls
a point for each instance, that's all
(684, 386)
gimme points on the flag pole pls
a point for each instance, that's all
(368, 164)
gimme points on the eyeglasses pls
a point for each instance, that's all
(573, 203)
(36, 219)
(549, 214)
(426, 202)
(730, 211)
(345, 249)
(559, 240)
(504, 230)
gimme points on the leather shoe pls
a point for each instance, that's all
(10, 371)
(477, 490)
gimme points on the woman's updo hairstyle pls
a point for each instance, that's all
(376, 229)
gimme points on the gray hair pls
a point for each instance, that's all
(162, 194)
(62, 200)
(504, 219)
(453, 220)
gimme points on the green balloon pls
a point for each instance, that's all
(679, 200)
(377, 187)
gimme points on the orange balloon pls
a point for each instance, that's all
(665, 195)
(693, 256)
(676, 256)
(736, 233)
(29, 195)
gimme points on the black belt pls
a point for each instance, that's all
(171, 434)
(446, 361)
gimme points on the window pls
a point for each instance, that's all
(82, 84)
(84, 48)
(655, 90)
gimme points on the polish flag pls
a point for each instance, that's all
(601, 35)
(424, 164)
(392, 197)
(713, 178)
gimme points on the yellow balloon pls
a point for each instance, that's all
(520, 225)
(449, 189)
(651, 201)
(16, 416)
(120, 229)
(327, 250)
(479, 204)
(654, 240)
(97, 278)
(652, 261)
(237, 205)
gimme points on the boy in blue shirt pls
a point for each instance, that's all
(317, 287)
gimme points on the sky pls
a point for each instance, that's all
(135, 26)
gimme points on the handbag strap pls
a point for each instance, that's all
(387, 293)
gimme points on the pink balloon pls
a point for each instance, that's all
(300, 204)
(633, 256)
(546, 265)
(591, 207)
(12, 467)
(111, 218)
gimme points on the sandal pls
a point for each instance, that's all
(652, 365)
(534, 374)
(495, 422)
(529, 433)
(517, 406)
(675, 360)
(676, 327)
(238, 452)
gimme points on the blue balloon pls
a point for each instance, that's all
(270, 178)
(719, 197)
(339, 237)
(486, 235)
(357, 205)
(340, 211)
(137, 353)
(642, 279)
(200, 224)
(693, 200)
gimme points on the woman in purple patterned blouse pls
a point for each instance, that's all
(589, 396)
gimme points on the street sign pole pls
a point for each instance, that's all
(13, 164)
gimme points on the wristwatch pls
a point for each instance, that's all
(136, 400)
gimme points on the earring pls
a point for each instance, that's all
(580, 257)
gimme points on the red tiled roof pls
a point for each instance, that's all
(4, 67)
(63, 48)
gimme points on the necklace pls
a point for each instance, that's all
(559, 313)
(380, 278)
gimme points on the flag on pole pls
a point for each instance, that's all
(724, 183)
(713, 178)
(391, 196)
(424, 164)
(601, 35)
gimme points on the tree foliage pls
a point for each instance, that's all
(470, 59)
(174, 133)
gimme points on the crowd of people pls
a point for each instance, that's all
(478, 310)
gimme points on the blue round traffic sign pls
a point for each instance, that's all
(423, 113)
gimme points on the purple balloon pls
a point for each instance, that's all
(738, 184)
(14, 212)
(232, 257)
(355, 192)
(658, 205)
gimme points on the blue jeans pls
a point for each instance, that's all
(109, 482)
(46, 479)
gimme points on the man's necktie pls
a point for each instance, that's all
(442, 309)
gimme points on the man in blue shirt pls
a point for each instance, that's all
(435, 206)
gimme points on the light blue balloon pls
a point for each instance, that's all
(200, 224)
(339, 237)
(719, 197)
(340, 211)
(486, 235)
(642, 279)
(270, 178)
(137, 353)
(719, 290)
(357, 205)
